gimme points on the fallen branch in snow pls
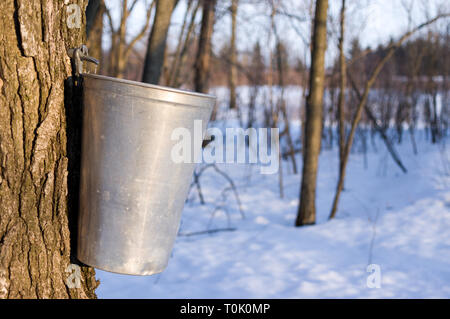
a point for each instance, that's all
(203, 232)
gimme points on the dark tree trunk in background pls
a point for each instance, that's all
(314, 111)
(35, 156)
(92, 10)
(154, 59)
(94, 28)
(204, 47)
(232, 76)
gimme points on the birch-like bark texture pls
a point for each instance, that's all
(38, 117)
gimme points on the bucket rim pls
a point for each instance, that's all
(147, 85)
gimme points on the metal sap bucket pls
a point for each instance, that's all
(131, 192)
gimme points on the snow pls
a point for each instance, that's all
(397, 221)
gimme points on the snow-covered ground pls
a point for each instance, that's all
(398, 221)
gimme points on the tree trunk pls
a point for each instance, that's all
(94, 28)
(37, 163)
(313, 125)
(342, 86)
(204, 47)
(233, 59)
(154, 59)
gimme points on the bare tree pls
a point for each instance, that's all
(232, 76)
(362, 105)
(120, 50)
(94, 27)
(256, 78)
(202, 64)
(154, 59)
(313, 126)
(180, 59)
(342, 85)
(174, 65)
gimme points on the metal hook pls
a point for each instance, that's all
(79, 55)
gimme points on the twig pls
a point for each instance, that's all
(196, 182)
(203, 232)
(220, 208)
(233, 187)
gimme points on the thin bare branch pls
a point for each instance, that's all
(141, 34)
(362, 103)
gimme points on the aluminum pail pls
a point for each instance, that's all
(131, 191)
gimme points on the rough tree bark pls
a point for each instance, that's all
(37, 120)
(154, 59)
(313, 126)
